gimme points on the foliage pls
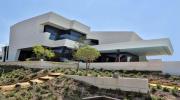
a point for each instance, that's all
(49, 53)
(87, 54)
(153, 90)
(156, 98)
(174, 91)
(80, 42)
(42, 52)
(167, 75)
(14, 76)
(158, 86)
(165, 89)
(39, 51)
(63, 88)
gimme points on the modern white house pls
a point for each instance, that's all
(61, 35)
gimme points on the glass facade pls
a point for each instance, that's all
(118, 57)
(62, 53)
(58, 34)
(91, 41)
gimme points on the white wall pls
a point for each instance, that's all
(29, 32)
(142, 66)
(125, 84)
(172, 67)
(115, 37)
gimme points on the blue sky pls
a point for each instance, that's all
(151, 19)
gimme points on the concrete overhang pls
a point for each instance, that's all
(61, 22)
(142, 47)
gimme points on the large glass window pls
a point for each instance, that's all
(91, 41)
(58, 34)
(63, 53)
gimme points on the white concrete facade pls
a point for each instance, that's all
(30, 32)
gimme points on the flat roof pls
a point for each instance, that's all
(142, 47)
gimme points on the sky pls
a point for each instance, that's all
(151, 19)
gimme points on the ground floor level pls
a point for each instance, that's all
(66, 54)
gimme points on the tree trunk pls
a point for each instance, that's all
(78, 66)
(86, 67)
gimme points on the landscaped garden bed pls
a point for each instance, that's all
(12, 74)
(15, 75)
(162, 93)
(63, 88)
(153, 77)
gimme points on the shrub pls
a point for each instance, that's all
(156, 98)
(165, 89)
(153, 90)
(167, 75)
(139, 74)
(158, 86)
(175, 78)
(17, 87)
(79, 73)
(174, 91)
(42, 52)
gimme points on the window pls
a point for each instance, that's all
(91, 41)
(63, 53)
(58, 34)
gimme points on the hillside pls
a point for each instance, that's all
(63, 88)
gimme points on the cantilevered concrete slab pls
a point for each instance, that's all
(143, 47)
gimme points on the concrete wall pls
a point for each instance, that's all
(29, 32)
(115, 37)
(141, 66)
(125, 84)
(172, 68)
(40, 64)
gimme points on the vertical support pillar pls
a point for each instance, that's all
(118, 57)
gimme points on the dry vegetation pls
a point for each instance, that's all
(69, 89)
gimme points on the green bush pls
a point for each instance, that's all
(175, 78)
(174, 91)
(167, 75)
(14, 76)
(165, 89)
(156, 98)
(158, 86)
(153, 90)
(139, 74)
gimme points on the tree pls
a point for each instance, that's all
(78, 44)
(38, 51)
(42, 52)
(87, 54)
(49, 53)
